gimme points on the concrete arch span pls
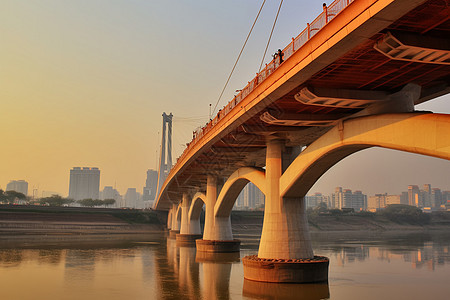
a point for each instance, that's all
(197, 203)
(233, 187)
(420, 133)
(177, 217)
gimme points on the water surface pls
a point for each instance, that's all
(388, 266)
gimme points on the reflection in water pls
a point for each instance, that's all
(285, 291)
(189, 279)
(152, 267)
(420, 250)
(10, 258)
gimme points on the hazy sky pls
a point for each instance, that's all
(84, 83)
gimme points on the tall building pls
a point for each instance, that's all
(131, 199)
(413, 196)
(151, 184)
(436, 197)
(84, 183)
(426, 195)
(20, 186)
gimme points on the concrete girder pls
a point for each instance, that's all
(233, 187)
(420, 133)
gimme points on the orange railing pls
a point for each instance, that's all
(312, 28)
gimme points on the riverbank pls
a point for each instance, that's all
(26, 220)
(249, 222)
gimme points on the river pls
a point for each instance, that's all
(362, 266)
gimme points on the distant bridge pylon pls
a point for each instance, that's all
(165, 164)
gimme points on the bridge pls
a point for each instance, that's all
(348, 82)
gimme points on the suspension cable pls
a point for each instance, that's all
(270, 36)
(239, 56)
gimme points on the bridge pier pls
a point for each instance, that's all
(217, 236)
(190, 229)
(169, 220)
(285, 252)
(175, 228)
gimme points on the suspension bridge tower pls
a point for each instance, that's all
(165, 164)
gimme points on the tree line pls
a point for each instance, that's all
(10, 197)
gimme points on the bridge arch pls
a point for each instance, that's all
(420, 133)
(233, 187)
(178, 217)
(196, 206)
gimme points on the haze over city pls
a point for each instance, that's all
(84, 83)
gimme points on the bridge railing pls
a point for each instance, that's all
(329, 12)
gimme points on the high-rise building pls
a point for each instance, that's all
(436, 197)
(131, 199)
(84, 183)
(413, 196)
(151, 184)
(404, 198)
(20, 186)
(426, 195)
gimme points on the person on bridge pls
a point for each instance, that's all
(280, 55)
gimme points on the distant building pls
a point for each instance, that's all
(20, 186)
(404, 198)
(84, 183)
(426, 195)
(151, 184)
(346, 199)
(315, 200)
(413, 196)
(250, 198)
(436, 197)
(111, 193)
(131, 199)
(377, 202)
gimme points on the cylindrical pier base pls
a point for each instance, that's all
(187, 239)
(286, 271)
(218, 246)
(173, 234)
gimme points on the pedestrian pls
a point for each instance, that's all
(280, 55)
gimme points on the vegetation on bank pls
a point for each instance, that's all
(10, 196)
(397, 213)
(13, 197)
(131, 216)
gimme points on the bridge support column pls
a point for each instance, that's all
(217, 236)
(175, 228)
(169, 219)
(285, 252)
(190, 229)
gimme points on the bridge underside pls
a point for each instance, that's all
(414, 48)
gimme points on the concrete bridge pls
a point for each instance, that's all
(348, 82)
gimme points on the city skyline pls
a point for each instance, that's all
(86, 84)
